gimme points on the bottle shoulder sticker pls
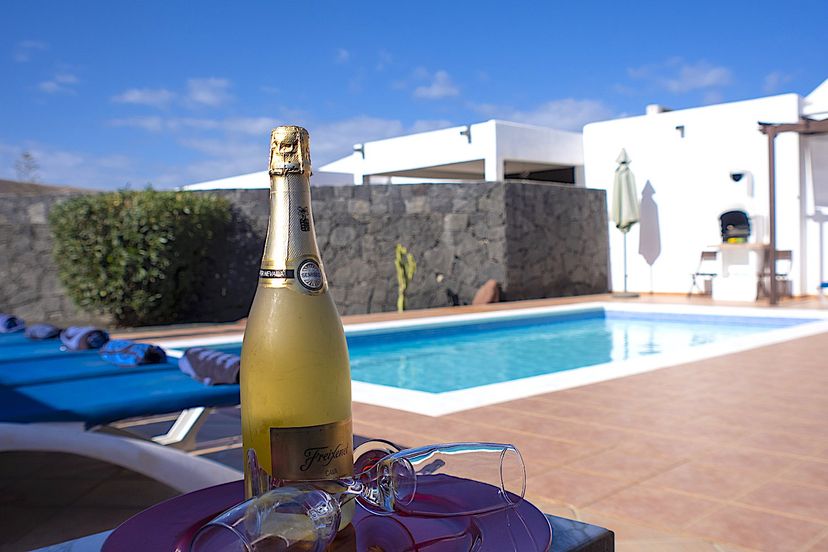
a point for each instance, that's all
(310, 275)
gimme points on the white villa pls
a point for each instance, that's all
(700, 162)
(704, 161)
(492, 150)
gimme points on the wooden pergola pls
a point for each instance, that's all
(804, 126)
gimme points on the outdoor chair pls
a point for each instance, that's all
(67, 402)
(784, 264)
(174, 468)
(705, 272)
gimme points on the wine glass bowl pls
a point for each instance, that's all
(370, 452)
(300, 516)
(431, 481)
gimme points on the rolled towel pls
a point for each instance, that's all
(209, 366)
(124, 352)
(9, 323)
(42, 331)
(77, 338)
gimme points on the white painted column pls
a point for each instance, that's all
(359, 167)
(493, 165)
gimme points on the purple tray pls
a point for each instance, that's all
(171, 524)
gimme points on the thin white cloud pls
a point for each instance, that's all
(713, 97)
(61, 83)
(342, 55)
(253, 126)
(61, 166)
(441, 86)
(564, 114)
(336, 138)
(208, 92)
(153, 97)
(679, 77)
(25, 50)
(150, 124)
(384, 60)
(775, 81)
(424, 125)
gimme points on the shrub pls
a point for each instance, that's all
(138, 256)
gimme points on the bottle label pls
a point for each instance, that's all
(310, 275)
(313, 452)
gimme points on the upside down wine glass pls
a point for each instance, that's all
(455, 479)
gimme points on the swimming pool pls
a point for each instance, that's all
(451, 363)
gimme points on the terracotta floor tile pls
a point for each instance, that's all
(757, 530)
(667, 544)
(788, 443)
(785, 497)
(655, 506)
(644, 421)
(550, 407)
(711, 431)
(821, 544)
(645, 445)
(807, 472)
(544, 451)
(572, 487)
(624, 529)
(501, 418)
(706, 481)
(595, 434)
(624, 465)
(731, 457)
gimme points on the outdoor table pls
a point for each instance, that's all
(567, 535)
(740, 265)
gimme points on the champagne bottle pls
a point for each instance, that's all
(295, 375)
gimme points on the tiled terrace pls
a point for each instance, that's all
(724, 454)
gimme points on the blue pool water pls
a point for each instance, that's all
(456, 357)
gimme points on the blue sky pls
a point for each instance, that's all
(108, 94)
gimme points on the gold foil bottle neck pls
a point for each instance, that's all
(289, 151)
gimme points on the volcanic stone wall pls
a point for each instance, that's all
(536, 239)
(29, 284)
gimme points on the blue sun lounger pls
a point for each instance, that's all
(83, 388)
(17, 346)
(101, 400)
(68, 366)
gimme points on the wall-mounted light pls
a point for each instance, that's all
(467, 133)
(747, 176)
(360, 148)
(680, 129)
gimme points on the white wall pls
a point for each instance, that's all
(691, 178)
(493, 142)
(426, 149)
(518, 142)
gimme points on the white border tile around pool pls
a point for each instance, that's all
(438, 404)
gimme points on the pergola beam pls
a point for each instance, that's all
(804, 126)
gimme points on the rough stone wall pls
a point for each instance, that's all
(456, 233)
(537, 240)
(29, 284)
(557, 243)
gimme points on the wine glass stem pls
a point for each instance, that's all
(353, 489)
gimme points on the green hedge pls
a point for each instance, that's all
(139, 256)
